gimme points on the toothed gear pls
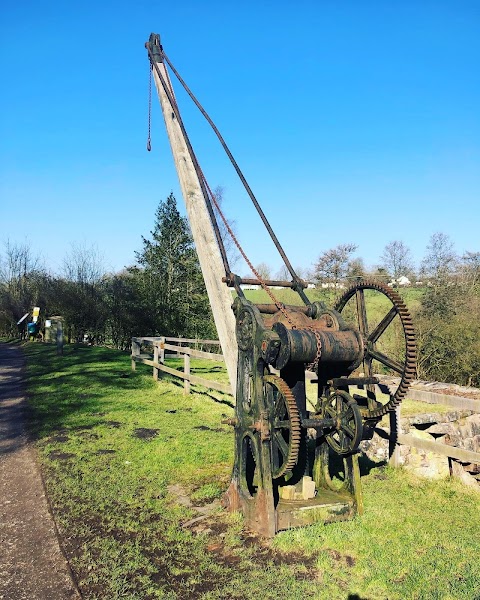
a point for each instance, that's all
(409, 366)
(291, 455)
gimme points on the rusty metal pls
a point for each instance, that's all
(407, 368)
(270, 282)
(277, 482)
(285, 428)
(281, 475)
(149, 139)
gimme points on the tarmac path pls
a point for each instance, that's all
(32, 565)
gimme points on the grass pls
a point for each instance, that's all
(411, 296)
(122, 454)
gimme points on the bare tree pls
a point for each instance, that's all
(18, 262)
(396, 259)
(470, 268)
(22, 279)
(233, 254)
(283, 274)
(83, 265)
(264, 270)
(332, 265)
(440, 259)
(356, 268)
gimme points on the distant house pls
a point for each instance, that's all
(401, 281)
(338, 286)
(249, 286)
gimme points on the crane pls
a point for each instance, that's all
(285, 452)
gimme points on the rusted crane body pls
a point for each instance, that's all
(286, 448)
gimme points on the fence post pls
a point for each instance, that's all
(155, 360)
(135, 352)
(161, 353)
(394, 450)
(186, 370)
(59, 338)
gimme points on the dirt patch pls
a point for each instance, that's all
(60, 439)
(346, 559)
(145, 434)
(88, 435)
(85, 427)
(57, 455)
(114, 424)
(101, 452)
(206, 428)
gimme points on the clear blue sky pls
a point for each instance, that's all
(354, 121)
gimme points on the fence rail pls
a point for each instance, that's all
(161, 344)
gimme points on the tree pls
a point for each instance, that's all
(356, 268)
(470, 268)
(233, 254)
(440, 260)
(83, 265)
(22, 274)
(170, 279)
(127, 313)
(81, 292)
(332, 265)
(396, 259)
(283, 274)
(264, 270)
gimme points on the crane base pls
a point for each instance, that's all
(327, 507)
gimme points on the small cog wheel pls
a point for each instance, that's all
(348, 429)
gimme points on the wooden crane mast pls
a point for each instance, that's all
(198, 214)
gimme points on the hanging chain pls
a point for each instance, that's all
(149, 139)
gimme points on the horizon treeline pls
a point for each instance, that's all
(163, 293)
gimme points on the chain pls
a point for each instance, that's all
(314, 365)
(149, 139)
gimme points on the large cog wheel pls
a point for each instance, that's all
(406, 368)
(285, 425)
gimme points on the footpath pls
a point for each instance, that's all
(32, 565)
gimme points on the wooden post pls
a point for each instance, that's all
(135, 352)
(161, 354)
(155, 360)
(394, 449)
(186, 370)
(59, 337)
(202, 231)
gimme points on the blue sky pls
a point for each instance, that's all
(354, 121)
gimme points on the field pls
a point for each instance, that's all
(130, 464)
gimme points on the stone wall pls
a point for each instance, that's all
(455, 428)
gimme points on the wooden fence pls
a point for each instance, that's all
(160, 345)
(156, 359)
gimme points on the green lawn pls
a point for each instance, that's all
(121, 454)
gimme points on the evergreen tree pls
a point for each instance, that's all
(170, 277)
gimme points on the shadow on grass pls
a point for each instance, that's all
(202, 392)
(57, 390)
